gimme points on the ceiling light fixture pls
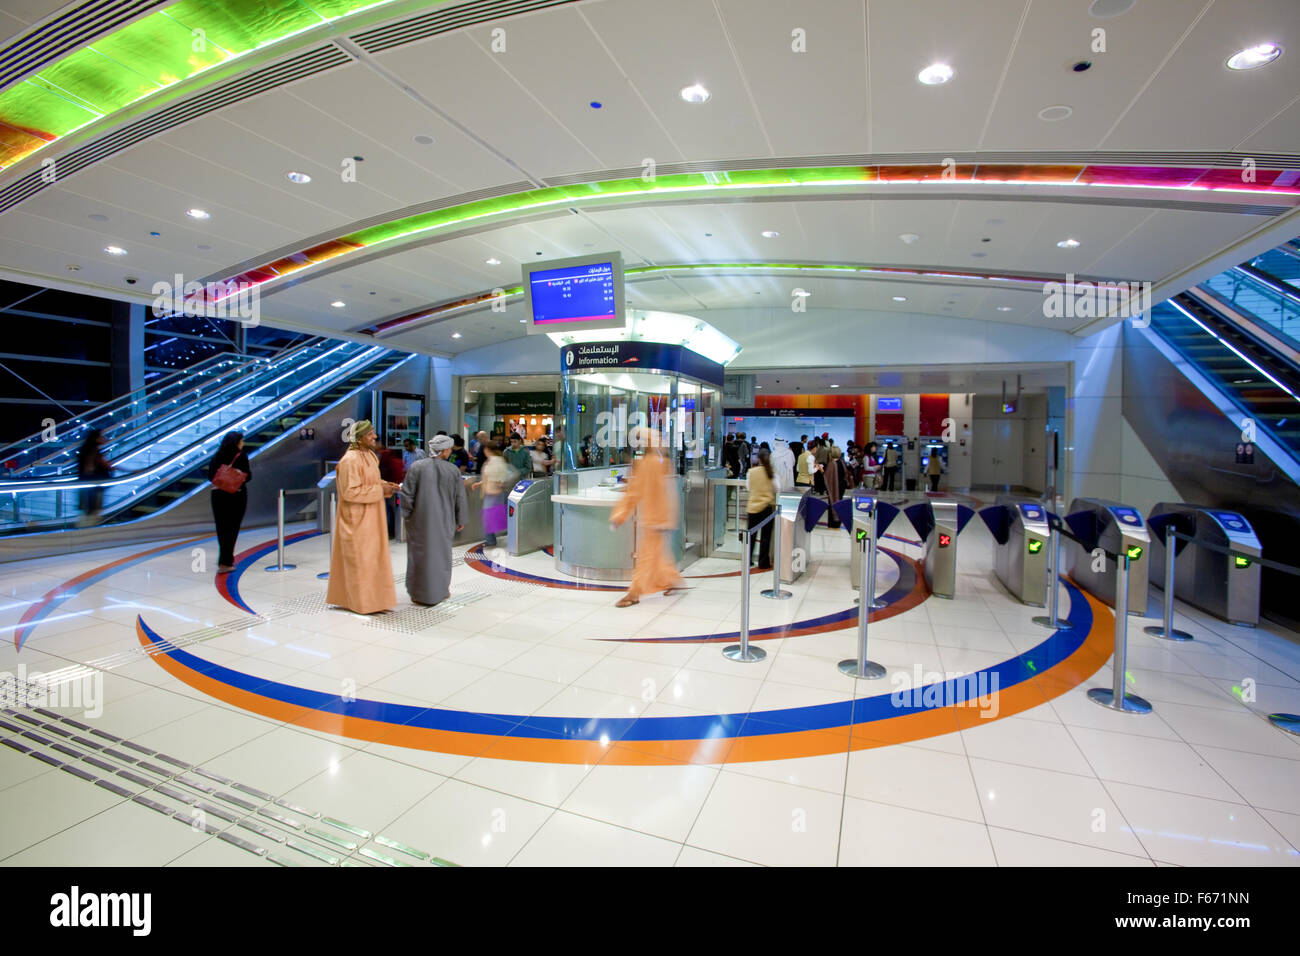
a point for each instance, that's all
(297, 177)
(695, 93)
(198, 214)
(1054, 114)
(455, 335)
(802, 293)
(115, 250)
(834, 386)
(1068, 244)
(424, 139)
(1004, 308)
(1254, 57)
(338, 303)
(935, 73)
(909, 237)
(900, 298)
(494, 261)
(770, 234)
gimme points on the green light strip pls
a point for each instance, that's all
(148, 55)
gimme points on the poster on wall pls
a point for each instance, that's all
(403, 418)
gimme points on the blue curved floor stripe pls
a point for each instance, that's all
(1054, 649)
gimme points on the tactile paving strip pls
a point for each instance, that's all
(196, 794)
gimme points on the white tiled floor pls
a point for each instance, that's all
(1202, 780)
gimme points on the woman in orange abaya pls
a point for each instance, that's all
(652, 495)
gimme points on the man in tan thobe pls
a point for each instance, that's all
(361, 567)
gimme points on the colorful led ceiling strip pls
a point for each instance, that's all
(148, 55)
(795, 183)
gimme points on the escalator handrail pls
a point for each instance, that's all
(188, 373)
(1271, 282)
(34, 485)
(1281, 347)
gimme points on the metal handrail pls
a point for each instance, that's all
(26, 485)
(191, 372)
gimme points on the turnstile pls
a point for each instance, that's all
(1226, 586)
(859, 515)
(939, 523)
(793, 559)
(1023, 536)
(1116, 529)
(530, 518)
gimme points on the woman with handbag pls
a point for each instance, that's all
(229, 473)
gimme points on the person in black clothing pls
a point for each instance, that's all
(92, 466)
(228, 507)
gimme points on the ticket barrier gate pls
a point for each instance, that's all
(939, 523)
(530, 516)
(1225, 585)
(865, 517)
(1023, 534)
(792, 559)
(1116, 529)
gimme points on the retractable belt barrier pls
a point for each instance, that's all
(742, 651)
(279, 527)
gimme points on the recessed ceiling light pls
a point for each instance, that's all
(97, 217)
(978, 255)
(514, 383)
(596, 104)
(909, 237)
(523, 321)
(494, 261)
(1004, 308)
(695, 93)
(115, 250)
(297, 177)
(935, 74)
(1068, 244)
(1254, 57)
(73, 267)
(338, 303)
(758, 386)
(900, 298)
(802, 293)
(455, 335)
(1054, 114)
(424, 139)
(834, 386)
(770, 234)
(198, 214)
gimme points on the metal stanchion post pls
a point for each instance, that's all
(1167, 630)
(742, 651)
(400, 533)
(279, 540)
(859, 666)
(775, 590)
(1050, 619)
(1115, 698)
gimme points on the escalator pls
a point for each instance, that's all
(1216, 367)
(159, 441)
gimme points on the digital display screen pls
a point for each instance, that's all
(575, 294)
(889, 404)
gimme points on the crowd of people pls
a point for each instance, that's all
(813, 463)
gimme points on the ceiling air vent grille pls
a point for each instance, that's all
(304, 64)
(57, 37)
(444, 21)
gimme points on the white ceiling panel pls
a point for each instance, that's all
(1057, 35)
(903, 38)
(812, 102)
(672, 45)
(458, 77)
(388, 120)
(1196, 102)
(622, 131)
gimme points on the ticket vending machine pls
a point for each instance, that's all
(530, 521)
(1116, 529)
(1226, 586)
(1023, 536)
